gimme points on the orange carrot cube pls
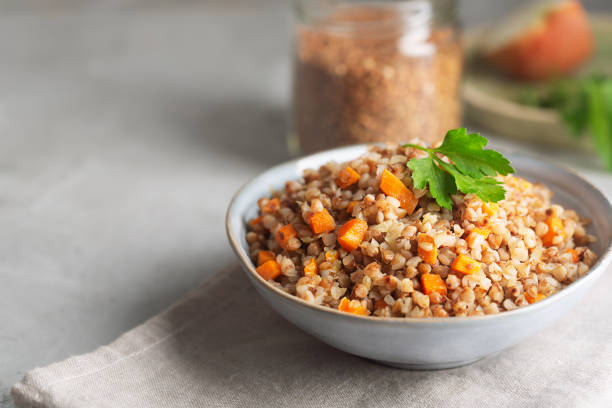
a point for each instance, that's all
(427, 249)
(311, 268)
(465, 264)
(331, 256)
(490, 208)
(393, 187)
(284, 235)
(555, 228)
(255, 221)
(264, 256)
(433, 283)
(475, 233)
(321, 222)
(351, 234)
(352, 306)
(347, 177)
(575, 255)
(530, 299)
(269, 270)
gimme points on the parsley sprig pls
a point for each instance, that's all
(471, 169)
(585, 104)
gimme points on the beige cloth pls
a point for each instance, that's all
(222, 346)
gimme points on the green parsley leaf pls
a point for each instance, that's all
(599, 118)
(570, 100)
(472, 168)
(487, 188)
(467, 152)
(441, 183)
(585, 105)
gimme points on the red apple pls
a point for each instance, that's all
(545, 40)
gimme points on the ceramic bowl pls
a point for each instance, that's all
(425, 343)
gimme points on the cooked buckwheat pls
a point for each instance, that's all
(480, 258)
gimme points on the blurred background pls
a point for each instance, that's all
(126, 127)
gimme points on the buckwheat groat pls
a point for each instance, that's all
(360, 238)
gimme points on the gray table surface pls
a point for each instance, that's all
(125, 127)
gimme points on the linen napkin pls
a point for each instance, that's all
(223, 346)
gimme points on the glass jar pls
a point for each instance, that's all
(374, 71)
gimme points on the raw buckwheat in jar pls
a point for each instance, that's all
(374, 71)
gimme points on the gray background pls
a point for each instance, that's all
(125, 127)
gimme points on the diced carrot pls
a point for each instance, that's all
(475, 233)
(353, 307)
(321, 222)
(433, 283)
(311, 268)
(351, 206)
(269, 270)
(344, 304)
(347, 177)
(482, 231)
(490, 208)
(393, 187)
(264, 256)
(555, 228)
(530, 299)
(575, 255)
(271, 206)
(465, 264)
(284, 235)
(255, 221)
(427, 249)
(351, 234)
(331, 256)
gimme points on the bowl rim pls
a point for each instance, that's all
(320, 158)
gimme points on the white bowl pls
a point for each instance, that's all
(425, 343)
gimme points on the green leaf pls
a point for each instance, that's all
(441, 184)
(585, 104)
(569, 99)
(472, 169)
(600, 120)
(487, 188)
(469, 156)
